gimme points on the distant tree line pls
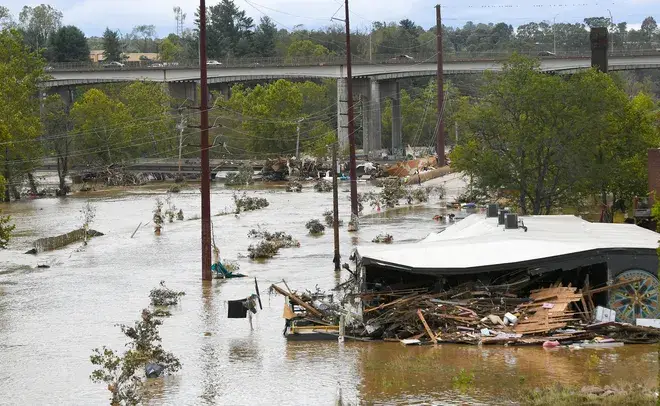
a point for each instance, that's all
(232, 34)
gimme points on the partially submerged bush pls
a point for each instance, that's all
(120, 372)
(315, 227)
(164, 296)
(245, 203)
(179, 215)
(5, 230)
(294, 186)
(323, 186)
(158, 218)
(242, 177)
(329, 218)
(262, 250)
(383, 239)
(419, 195)
(279, 238)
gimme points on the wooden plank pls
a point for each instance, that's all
(426, 326)
(297, 300)
(392, 303)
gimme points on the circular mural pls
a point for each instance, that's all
(637, 299)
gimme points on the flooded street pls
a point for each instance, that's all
(51, 319)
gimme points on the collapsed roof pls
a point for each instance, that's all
(478, 244)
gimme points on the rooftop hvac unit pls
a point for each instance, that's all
(502, 217)
(492, 210)
(511, 221)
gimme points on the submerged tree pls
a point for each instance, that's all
(20, 126)
(552, 140)
(88, 213)
(58, 140)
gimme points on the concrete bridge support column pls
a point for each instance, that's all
(397, 122)
(223, 88)
(342, 114)
(183, 91)
(366, 121)
(375, 142)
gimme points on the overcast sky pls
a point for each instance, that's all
(92, 16)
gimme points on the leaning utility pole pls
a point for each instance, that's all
(351, 122)
(335, 208)
(206, 171)
(440, 128)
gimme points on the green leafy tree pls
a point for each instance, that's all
(6, 230)
(306, 49)
(594, 22)
(270, 115)
(6, 19)
(264, 37)
(38, 24)
(57, 136)
(100, 124)
(151, 126)
(68, 44)
(649, 28)
(21, 71)
(145, 35)
(112, 48)
(229, 30)
(171, 49)
(531, 133)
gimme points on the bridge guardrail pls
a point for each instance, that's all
(340, 60)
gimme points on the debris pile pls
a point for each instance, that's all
(245, 203)
(315, 227)
(490, 315)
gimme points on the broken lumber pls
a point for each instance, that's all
(297, 301)
(426, 326)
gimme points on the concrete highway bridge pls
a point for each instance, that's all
(373, 80)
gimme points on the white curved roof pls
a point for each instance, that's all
(478, 241)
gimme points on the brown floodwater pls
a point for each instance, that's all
(51, 319)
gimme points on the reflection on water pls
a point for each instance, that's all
(50, 319)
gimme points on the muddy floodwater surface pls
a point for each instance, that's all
(51, 319)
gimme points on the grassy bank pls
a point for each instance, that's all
(588, 396)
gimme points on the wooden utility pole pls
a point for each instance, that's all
(351, 121)
(440, 128)
(206, 171)
(335, 208)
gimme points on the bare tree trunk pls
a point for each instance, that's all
(33, 183)
(7, 175)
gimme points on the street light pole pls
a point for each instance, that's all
(611, 24)
(554, 35)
